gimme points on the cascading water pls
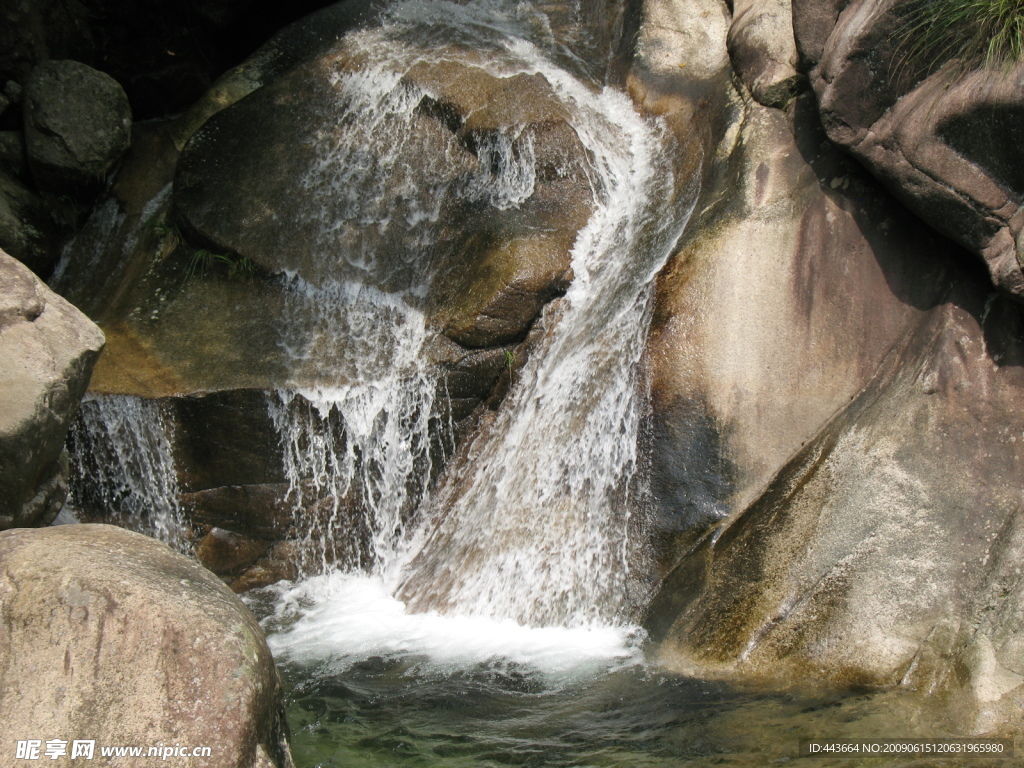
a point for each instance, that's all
(531, 521)
(120, 449)
(358, 455)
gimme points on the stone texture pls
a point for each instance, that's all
(886, 552)
(681, 73)
(833, 441)
(47, 349)
(109, 635)
(12, 153)
(750, 352)
(77, 125)
(491, 267)
(941, 136)
(763, 50)
(26, 230)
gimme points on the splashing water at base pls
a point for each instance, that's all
(344, 619)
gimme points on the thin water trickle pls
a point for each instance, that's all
(122, 464)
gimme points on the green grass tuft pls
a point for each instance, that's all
(973, 32)
(203, 261)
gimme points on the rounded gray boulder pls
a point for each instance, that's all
(77, 125)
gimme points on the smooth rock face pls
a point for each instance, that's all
(942, 138)
(887, 552)
(751, 349)
(77, 125)
(109, 635)
(47, 351)
(763, 50)
(834, 384)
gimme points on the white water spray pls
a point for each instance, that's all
(531, 521)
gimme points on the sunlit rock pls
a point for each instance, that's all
(763, 51)
(47, 349)
(109, 636)
(941, 133)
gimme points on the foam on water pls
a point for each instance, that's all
(348, 618)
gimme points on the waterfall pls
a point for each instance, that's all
(537, 517)
(532, 520)
(358, 453)
(122, 466)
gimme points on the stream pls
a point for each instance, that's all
(484, 609)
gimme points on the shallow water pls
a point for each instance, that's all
(368, 684)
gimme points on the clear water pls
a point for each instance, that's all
(370, 684)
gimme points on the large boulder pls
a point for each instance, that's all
(77, 125)
(111, 637)
(763, 50)
(750, 352)
(834, 443)
(942, 133)
(47, 349)
(493, 244)
(887, 552)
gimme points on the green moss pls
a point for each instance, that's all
(973, 32)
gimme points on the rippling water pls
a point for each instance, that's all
(369, 684)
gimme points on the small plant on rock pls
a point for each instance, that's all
(974, 32)
(203, 261)
(510, 361)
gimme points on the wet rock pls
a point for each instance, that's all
(77, 126)
(278, 564)
(48, 349)
(941, 134)
(227, 438)
(514, 171)
(763, 50)
(256, 510)
(681, 73)
(225, 552)
(886, 552)
(111, 636)
(292, 46)
(494, 296)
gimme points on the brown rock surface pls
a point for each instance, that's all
(110, 636)
(941, 134)
(886, 553)
(47, 350)
(763, 50)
